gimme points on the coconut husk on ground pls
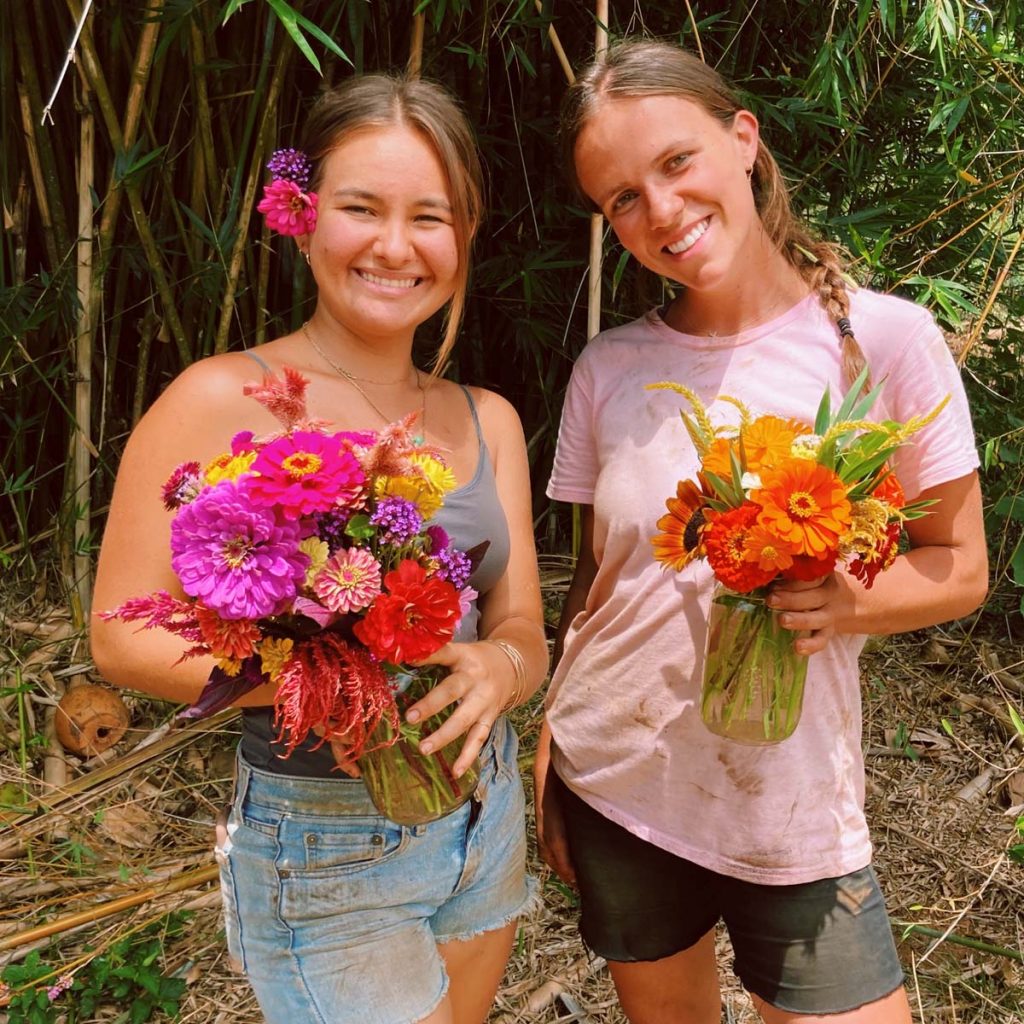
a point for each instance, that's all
(945, 785)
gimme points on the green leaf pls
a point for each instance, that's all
(1018, 722)
(289, 19)
(823, 417)
(360, 528)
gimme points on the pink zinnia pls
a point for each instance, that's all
(242, 562)
(349, 581)
(287, 209)
(305, 472)
(182, 486)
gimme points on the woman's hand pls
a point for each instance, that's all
(342, 752)
(811, 608)
(551, 835)
(480, 681)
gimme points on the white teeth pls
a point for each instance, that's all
(389, 282)
(690, 239)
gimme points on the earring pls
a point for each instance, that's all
(305, 252)
(750, 173)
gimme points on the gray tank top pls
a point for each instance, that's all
(471, 515)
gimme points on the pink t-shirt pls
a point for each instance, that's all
(623, 704)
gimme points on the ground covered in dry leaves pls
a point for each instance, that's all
(945, 778)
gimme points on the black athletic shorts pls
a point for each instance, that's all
(820, 947)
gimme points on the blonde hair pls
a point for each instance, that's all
(380, 101)
(647, 68)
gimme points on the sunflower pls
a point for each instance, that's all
(683, 527)
(768, 439)
(805, 504)
(726, 540)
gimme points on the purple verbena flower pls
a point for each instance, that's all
(330, 526)
(454, 566)
(398, 518)
(241, 561)
(292, 165)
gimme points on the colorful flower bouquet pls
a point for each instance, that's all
(308, 562)
(777, 499)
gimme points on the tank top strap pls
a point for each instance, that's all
(476, 419)
(256, 359)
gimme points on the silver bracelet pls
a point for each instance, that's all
(515, 656)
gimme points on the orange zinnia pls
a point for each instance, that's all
(725, 542)
(890, 491)
(767, 550)
(767, 441)
(805, 504)
(680, 543)
(716, 458)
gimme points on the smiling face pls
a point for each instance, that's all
(672, 181)
(384, 250)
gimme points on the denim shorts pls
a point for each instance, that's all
(335, 912)
(817, 948)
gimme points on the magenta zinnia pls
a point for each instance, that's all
(241, 561)
(305, 472)
(349, 581)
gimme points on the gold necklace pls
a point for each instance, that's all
(354, 381)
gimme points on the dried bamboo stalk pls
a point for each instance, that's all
(556, 45)
(990, 301)
(415, 65)
(82, 426)
(596, 220)
(187, 881)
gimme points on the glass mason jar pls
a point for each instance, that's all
(406, 786)
(753, 677)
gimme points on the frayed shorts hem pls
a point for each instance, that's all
(530, 904)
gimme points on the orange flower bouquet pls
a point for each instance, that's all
(779, 499)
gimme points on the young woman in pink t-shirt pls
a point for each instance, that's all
(665, 827)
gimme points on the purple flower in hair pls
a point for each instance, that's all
(291, 165)
(398, 519)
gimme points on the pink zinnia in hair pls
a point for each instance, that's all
(241, 561)
(287, 209)
(305, 472)
(349, 581)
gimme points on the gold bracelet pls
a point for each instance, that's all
(515, 656)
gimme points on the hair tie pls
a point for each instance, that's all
(845, 330)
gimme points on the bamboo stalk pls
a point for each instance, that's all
(596, 220)
(415, 65)
(186, 881)
(556, 45)
(248, 202)
(991, 301)
(48, 182)
(962, 940)
(696, 33)
(82, 426)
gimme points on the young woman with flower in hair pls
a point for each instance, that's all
(666, 827)
(335, 912)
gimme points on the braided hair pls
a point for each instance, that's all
(643, 67)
